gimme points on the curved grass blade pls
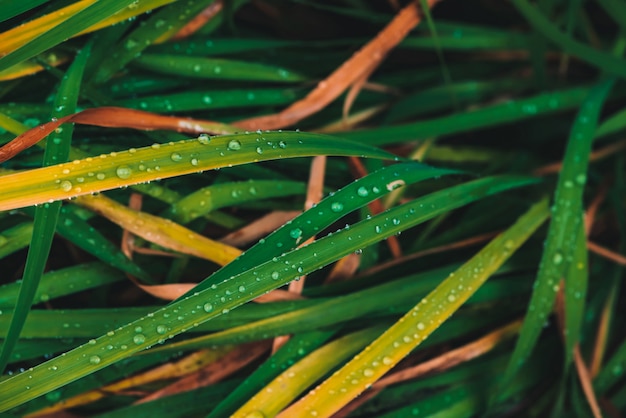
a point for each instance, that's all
(296, 348)
(59, 31)
(562, 240)
(159, 161)
(399, 340)
(167, 20)
(293, 381)
(222, 195)
(160, 231)
(355, 195)
(15, 238)
(215, 68)
(212, 99)
(63, 282)
(45, 220)
(603, 60)
(516, 110)
(367, 303)
(218, 299)
(84, 236)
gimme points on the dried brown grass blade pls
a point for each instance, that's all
(213, 372)
(346, 75)
(438, 364)
(113, 117)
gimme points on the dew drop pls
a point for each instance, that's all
(139, 339)
(176, 157)
(362, 191)
(275, 275)
(282, 144)
(94, 360)
(123, 172)
(336, 207)
(66, 186)
(242, 289)
(161, 329)
(557, 258)
(207, 307)
(234, 145)
(204, 139)
(295, 233)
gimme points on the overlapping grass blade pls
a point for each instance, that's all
(45, 219)
(70, 23)
(292, 351)
(125, 168)
(63, 282)
(369, 303)
(561, 244)
(308, 224)
(222, 195)
(166, 21)
(512, 111)
(399, 340)
(603, 60)
(278, 393)
(220, 298)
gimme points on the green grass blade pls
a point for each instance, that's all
(63, 282)
(201, 306)
(15, 238)
(216, 68)
(57, 150)
(331, 209)
(576, 279)
(513, 111)
(167, 20)
(222, 195)
(564, 228)
(603, 60)
(14, 8)
(212, 99)
(89, 239)
(400, 339)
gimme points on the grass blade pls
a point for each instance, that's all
(564, 227)
(57, 150)
(125, 168)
